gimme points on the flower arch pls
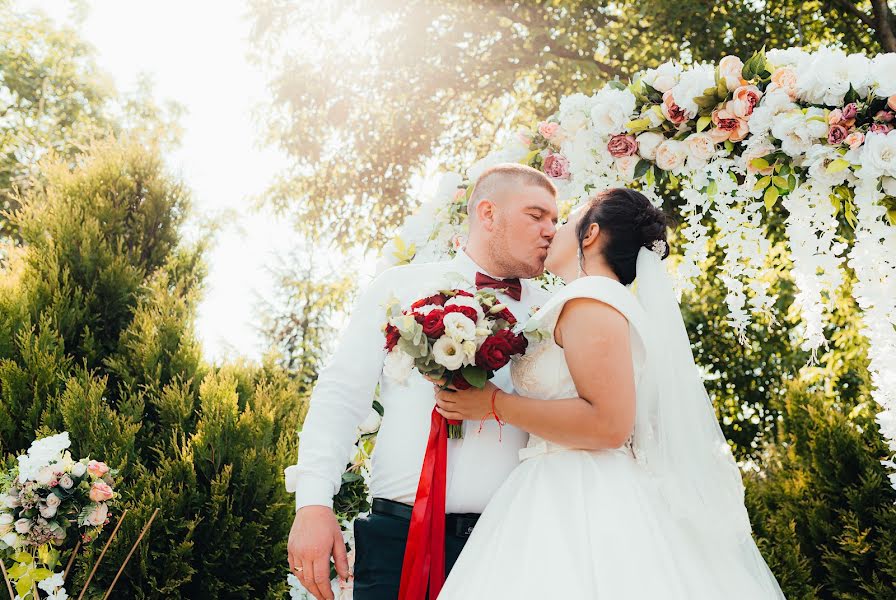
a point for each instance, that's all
(806, 137)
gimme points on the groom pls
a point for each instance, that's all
(513, 216)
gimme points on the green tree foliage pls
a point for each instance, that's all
(53, 98)
(420, 85)
(97, 306)
(823, 511)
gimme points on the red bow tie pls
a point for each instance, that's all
(511, 287)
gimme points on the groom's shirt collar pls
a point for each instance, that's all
(466, 266)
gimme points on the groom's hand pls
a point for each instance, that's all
(315, 536)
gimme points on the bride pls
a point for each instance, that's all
(627, 488)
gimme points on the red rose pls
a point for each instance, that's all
(392, 337)
(433, 327)
(495, 351)
(506, 315)
(467, 311)
(459, 383)
(463, 293)
(438, 300)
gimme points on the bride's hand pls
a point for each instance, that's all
(465, 405)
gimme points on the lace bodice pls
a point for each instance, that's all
(542, 372)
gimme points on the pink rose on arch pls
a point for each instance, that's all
(891, 102)
(98, 515)
(785, 79)
(548, 130)
(881, 128)
(854, 139)
(622, 145)
(850, 111)
(731, 70)
(100, 491)
(884, 116)
(556, 166)
(835, 117)
(746, 97)
(97, 468)
(728, 126)
(836, 134)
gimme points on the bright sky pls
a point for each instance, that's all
(195, 53)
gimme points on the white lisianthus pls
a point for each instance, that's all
(448, 353)
(78, 469)
(883, 74)
(467, 301)
(700, 148)
(692, 84)
(574, 111)
(648, 142)
(426, 309)
(664, 77)
(469, 352)
(670, 155)
(459, 327)
(879, 156)
(612, 110)
(398, 365)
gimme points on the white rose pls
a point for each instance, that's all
(798, 132)
(625, 166)
(459, 327)
(48, 512)
(664, 77)
(880, 154)
(45, 475)
(824, 77)
(448, 353)
(772, 104)
(648, 143)
(785, 57)
(23, 526)
(78, 469)
(883, 74)
(53, 500)
(670, 155)
(700, 147)
(65, 482)
(398, 365)
(612, 110)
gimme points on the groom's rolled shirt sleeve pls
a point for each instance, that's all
(342, 399)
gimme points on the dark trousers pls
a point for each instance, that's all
(379, 552)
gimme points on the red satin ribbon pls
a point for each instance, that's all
(424, 555)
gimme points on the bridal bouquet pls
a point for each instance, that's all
(42, 499)
(453, 335)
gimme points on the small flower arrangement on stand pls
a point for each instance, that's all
(47, 501)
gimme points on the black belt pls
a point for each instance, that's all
(459, 525)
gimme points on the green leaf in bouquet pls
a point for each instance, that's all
(475, 376)
(637, 125)
(838, 165)
(414, 350)
(40, 574)
(651, 175)
(616, 85)
(23, 585)
(526, 160)
(722, 89)
(23, 557)
(781, 182)
(703, 122)
(770, 197)
(762, 183)
(706, 101)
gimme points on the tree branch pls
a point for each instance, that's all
(884, 25)
(853, 10)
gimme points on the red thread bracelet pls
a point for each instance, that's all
(494, 413)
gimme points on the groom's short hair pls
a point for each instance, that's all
(499, 176)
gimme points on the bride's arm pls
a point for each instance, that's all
(595, 339)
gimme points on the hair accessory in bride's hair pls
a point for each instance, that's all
(659, 247)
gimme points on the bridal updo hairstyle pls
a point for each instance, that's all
(630, 222)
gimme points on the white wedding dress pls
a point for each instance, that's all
(577, 524)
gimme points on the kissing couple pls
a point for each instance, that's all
(591, 467)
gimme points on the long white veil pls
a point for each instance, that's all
(677, 436)
(678, 440)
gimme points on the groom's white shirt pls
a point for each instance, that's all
(477, 464)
